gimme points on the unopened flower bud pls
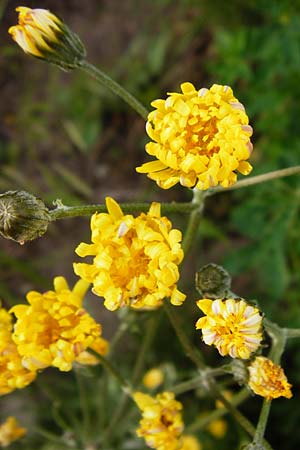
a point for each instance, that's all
(44, 35)
(23, 217)
(212, 281)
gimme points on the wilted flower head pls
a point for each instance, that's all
(54, 329)
(135, 258)
(10, 431)
(161, 424)
(201, 138)
(43, 35)
(233, 326)
(12, 373)
(268, 379)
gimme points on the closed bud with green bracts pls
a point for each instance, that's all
(212, 281)
(44, 35)
(23, 217)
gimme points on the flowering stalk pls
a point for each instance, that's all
(115, 87)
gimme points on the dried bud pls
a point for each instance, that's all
(44, 35)
(239, 371)
(212, 281)
(23, 217)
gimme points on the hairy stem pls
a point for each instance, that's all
(258, 179)
(65, 212)
(115, 87)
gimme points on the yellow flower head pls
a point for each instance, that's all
(268, 379)
(10, 431)
(161, 424)
(54, 329)
(153, 378)
(12, 373)
(201, 138)
(43, 35)
(218, 428)
(189, 442)
(135, 258)
(233, 326)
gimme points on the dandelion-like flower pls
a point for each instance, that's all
(135, 258)
(10, 431)
(153, 378)
(201, 138)
(42, 34)
(268, 379)
(161, 424)
(12, 373)
(54, 329)
(190, 442)
(233, 326)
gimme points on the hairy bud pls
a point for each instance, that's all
(212, 281)
(23, 217)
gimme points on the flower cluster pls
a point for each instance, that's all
(233, 326)
(268, 379)
(161, 424)
(201, 138)
(54, 329)
(12, 373)
(135, 258)
(43, 35)
(10, 431)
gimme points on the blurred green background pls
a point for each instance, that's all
(63, 136)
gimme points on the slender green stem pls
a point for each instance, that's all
(196, 382)
(115, 87)
(257, 179)
(292, 332)
(83, 406)
(150, 333)
(114, 372)
(194, 220)
(278, 336)
(47, 435)
(189, 349)
(202, 422)
(64, 212)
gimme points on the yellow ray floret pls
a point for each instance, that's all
(13, 375)
(161, 424)
(200, 138)
(10, 431)
(42, 34)
(135, 259)
(268, 379)
(55, 329)
(37, 31)
(233, 326)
